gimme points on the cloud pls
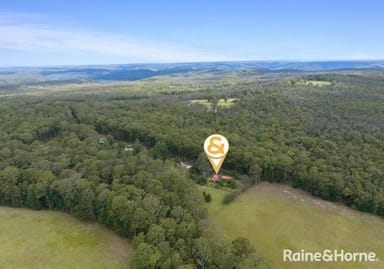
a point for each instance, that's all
(27, 32)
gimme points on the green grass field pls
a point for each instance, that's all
(274, 217)
(230, 102)
(42, 239)
(317, 83)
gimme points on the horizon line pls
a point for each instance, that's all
(192, 62)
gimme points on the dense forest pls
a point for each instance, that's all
(49, 160)
(70, 154)
(327, 140)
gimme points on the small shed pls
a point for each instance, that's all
(102, 139)
(187, 165)
(128, 147)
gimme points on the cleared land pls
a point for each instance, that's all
(41, 239)
(274, 217)
(222, 102)
(317, 83)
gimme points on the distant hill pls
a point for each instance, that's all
(131, 72)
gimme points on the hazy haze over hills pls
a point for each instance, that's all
(130, 72)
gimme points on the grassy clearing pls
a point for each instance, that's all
(217, 198)
(274, 217)
(313, 83)
(317, 83)
(230, 102)
(42, 239)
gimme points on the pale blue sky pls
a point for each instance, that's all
(37, 32)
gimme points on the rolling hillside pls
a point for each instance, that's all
(276, 217)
